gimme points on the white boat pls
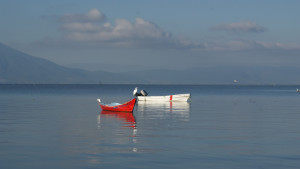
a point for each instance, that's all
(143, 96)
(175, 97)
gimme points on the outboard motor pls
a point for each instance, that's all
(144, 93)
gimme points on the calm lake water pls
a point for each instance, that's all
(223, 126)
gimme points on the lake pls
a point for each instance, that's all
(223, 126)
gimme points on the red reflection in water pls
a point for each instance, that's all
(126, 117)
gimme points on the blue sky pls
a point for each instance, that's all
(139, 34)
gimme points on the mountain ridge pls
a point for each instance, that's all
(20, 68)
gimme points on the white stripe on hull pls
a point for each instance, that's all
(176, 97)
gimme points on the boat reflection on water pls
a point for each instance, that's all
(178, 110)
(126, 117)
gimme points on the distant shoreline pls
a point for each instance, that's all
(105, 84)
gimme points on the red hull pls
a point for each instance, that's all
(127, 107)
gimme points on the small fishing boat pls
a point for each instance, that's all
(126, 107)
(175, 97)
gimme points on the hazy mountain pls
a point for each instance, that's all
(18, 67)
(224, 75)
(116, 68)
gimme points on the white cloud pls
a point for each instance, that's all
(278, 45)
(243, 26)
(122, 30)
(93, 15)
(92, 29)
(239, 45)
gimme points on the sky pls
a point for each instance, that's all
(129, 35)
